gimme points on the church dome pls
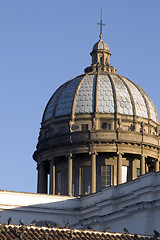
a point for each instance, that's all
(98, 129)
(100, 92)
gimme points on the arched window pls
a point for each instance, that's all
(84, 127)
(105, 176)
(106, 126)
(101, 61)
(138, 172)
(124, 174)
(132, 127)
(86, 180)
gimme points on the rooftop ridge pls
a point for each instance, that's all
(72, 230)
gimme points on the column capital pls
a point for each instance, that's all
(93, 152)
(144, 155)
(120, 153)
(69, 155)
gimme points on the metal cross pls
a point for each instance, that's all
(101, 24)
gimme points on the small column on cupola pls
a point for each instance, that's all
(101, 55)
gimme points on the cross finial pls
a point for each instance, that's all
(101, 24)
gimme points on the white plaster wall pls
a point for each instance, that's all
(42, 207)
(134, 205)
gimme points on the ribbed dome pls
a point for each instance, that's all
(100, 92)
(95, 126)
(101, 45)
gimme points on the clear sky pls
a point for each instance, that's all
(44, 43)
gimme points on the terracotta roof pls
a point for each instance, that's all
(33, 232)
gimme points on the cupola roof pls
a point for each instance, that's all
(100, 45)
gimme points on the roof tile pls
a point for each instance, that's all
(10, 232)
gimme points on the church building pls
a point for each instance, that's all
(97, 156)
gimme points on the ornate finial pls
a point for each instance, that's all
(101, 24)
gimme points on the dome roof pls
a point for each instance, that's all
(100, 45)
(98, 112)
(100, 92)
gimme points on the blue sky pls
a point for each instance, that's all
(44, 43)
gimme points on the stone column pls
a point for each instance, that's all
(119, 168)
(142, 164)
(156, 165)
(52, 177)
(42, 179)
(38, 178)
(134, 174)
(80, 181)
(93, 167)
(70, 174)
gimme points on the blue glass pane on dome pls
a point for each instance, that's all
(123, 97)
(105, 95)
(64, 105)
(85, 101)
(151, 108)
(141, 109)
(100, 45)
(106, 46)
(95, 47)
(50, 107)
